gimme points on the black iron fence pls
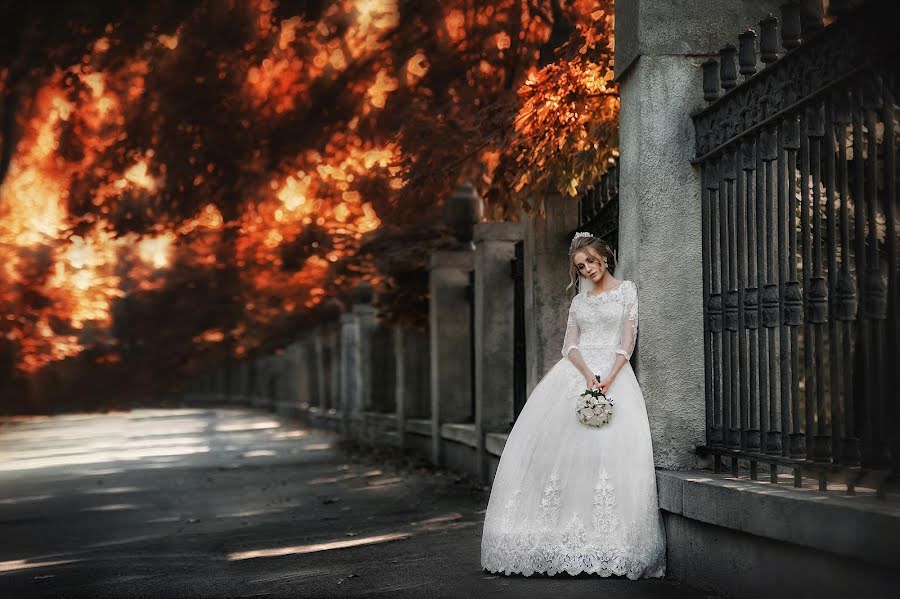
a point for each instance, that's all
(799, 178)
(520, 354)
(598, 208)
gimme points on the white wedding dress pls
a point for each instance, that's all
(568, 497)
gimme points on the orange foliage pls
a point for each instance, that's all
(305, 134)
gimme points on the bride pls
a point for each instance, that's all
(573, 498)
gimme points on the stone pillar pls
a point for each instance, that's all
(660, 45)
(320, 389)
(350, 400)
(495, 247)
(546, 276)
(297, 375)
(365, 318)
(356, 359)
(448, 311)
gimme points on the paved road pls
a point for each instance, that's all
(237, 503)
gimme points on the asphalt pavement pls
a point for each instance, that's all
(239, 503)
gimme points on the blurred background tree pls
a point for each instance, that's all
(183, 182)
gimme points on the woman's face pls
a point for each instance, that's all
(589, 265)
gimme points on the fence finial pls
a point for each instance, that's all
(727, 67)
(747, 54)
(768, 39)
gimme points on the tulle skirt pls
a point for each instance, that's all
(568, 497)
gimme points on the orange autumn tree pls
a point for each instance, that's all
(182, 181)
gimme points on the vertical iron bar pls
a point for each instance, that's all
(782, 443)
(765, 370)
(846, 294)
(806, 257)
(834, 345)
(817, 294)
(733, 301)
(875, 285)
(890, 217)
(740, 224)
(715, 302)
(707, 328)
(517, 271)
(791, 296)
(861, 348)
(725, 278)
(768, 252)
(751, 295)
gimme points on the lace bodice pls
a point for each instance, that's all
(606, 320)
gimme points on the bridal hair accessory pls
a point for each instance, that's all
(576, 236)
(595, 408)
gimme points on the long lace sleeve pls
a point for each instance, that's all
(629, 320)
(573, 334)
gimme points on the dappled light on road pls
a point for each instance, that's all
(280, 551)
(21, 564)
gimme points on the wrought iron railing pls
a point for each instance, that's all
(598, 207)
(798, 166)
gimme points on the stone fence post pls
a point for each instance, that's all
(546, 276)
(451, 373)
(495, 245)
(356, 359)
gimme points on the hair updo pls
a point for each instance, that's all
(591, 245)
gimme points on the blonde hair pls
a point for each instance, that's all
(590, 245)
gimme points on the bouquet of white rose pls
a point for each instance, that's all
(594, 408)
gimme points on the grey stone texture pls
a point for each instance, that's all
(450, 344)
(728, 563)
(860, 528)
(365, 316)
(494, 295)
(659, 249)
(546, 276)
(349, 399)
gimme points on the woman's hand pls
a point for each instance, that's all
(606, 383)
(591, 382)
